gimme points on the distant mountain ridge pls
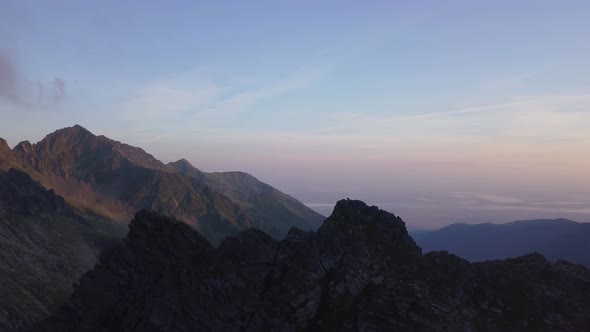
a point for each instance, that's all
(115, 180)
(248, 191)
(554, 238)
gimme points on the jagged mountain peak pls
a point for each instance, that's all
(354, 213)
(355, 230)
(75, 129)
(4, 145)
(7, 157)
(184, 166)
(78, 147)
(72, 132)
(23, 145)
(353, 208)
(182, 161)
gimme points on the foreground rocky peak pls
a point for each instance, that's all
(354, 217)
(359, 272)
(149, 229)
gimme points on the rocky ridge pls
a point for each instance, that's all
(360, 271)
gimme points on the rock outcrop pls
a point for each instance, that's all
(360, 271)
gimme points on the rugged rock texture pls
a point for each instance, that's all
(104, 177)
(360, 271)
(7, 158)
(44, 248)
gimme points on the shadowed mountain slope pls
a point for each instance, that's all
(249, 192)
(554, 238)
(44, 248)
(360, 271)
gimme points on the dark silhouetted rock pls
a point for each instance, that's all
(360, 271)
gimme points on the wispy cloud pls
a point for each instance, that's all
(59, 88)
(166, 100)
(18, 90)
(467, 110)
(9, 81)
(243, 101)
(210, 100)
(555, 115)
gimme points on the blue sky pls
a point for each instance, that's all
(341, 97)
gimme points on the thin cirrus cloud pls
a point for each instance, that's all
(511, 127)
(371, 121)
(213, 101)
(8, 79)
(453, 112)
(166, 100)
(300, 78)
(545, 117)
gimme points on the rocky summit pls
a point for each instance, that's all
(360, 271)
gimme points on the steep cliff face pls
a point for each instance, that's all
(360, 271)
(7, 157)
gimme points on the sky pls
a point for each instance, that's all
(439, 111)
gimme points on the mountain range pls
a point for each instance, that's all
(71, 195)
(361, 271)
(103, 177)
(554, 238)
